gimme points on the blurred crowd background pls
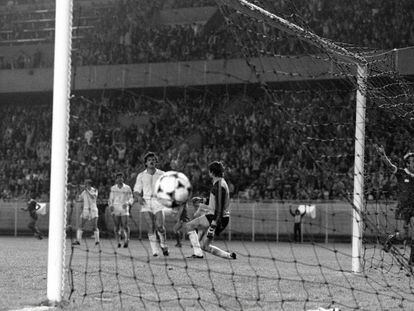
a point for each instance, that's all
(264, 155)
(129, 31)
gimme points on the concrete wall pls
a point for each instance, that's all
(214, 72)
(171, 74)
(250, 220)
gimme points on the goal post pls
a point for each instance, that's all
(59, 154)
(360, 63)
(358, 195)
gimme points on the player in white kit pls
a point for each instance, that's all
(152, 209)
(89, 212)
(120, 201)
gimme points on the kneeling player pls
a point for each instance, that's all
(183, 218)
(120, 200)
(212, 223)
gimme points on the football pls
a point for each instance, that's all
(173, 189)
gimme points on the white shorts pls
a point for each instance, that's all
(153, 206)
(119, 211)
(89, 213)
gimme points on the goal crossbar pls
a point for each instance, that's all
(258, 13)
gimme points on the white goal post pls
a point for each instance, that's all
(260, 14)
(59, 154)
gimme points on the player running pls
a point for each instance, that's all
(405, 207)
(89, 212)
(216, 218)
(120, 201)
(152, 209)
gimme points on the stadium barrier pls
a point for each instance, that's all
(170, 74)
(264, 220)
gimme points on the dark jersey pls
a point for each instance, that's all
(220, 197)
(405, 191)
(32, 207)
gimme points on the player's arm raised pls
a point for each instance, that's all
(384, 157)
(93, 193)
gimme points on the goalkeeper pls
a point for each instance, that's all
(405, 207)
(215, 220)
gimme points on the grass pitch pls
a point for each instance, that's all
(265, 276)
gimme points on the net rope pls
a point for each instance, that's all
(272, 271)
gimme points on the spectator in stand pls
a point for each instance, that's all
(121, 34)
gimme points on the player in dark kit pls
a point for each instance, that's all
(405, 207)
(216, 221)
(32, 207)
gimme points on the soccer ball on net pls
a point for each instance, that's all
(173, 189)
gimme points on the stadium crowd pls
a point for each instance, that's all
(266, 158)
(120, 34)
(270, 151)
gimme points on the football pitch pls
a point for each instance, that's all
(265, 276)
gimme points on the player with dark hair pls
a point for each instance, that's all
(405, 195)
(215, 221)
(151, 208)
(89, 197)
(32, 207)
(120, 201)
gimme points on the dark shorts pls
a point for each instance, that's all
(221, 225)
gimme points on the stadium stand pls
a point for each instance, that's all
(24, 26)
(135, 42)
(102, 145)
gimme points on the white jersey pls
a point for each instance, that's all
(89, 197)
(120, 196)
(145, 183)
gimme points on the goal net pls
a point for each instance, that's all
(294, 115)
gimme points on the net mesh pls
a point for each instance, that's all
(283, 122)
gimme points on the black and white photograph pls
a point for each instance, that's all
(207, 155)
